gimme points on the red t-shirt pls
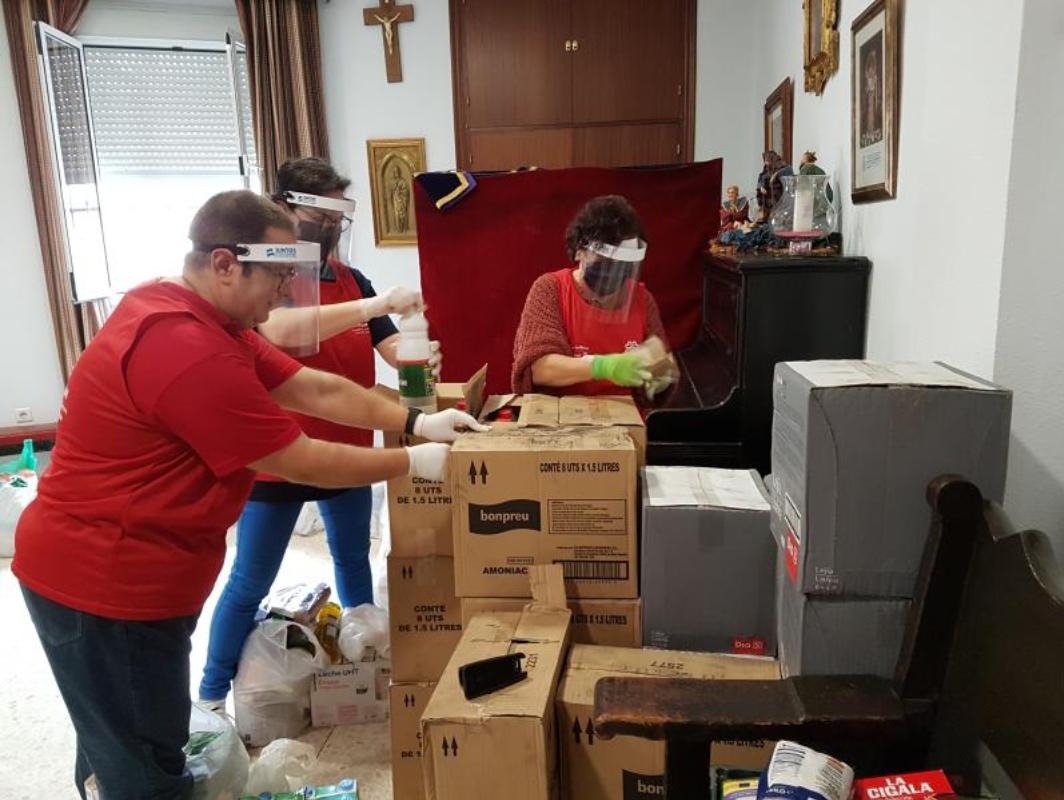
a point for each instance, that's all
(590, 336)
(162, 415)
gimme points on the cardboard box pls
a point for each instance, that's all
(709, 561)
(613, 623)
(546, 412)
(344, 694)
(626, 766)
(424, 619)
(408, 700)
(831, 635)
(854, 445)
(501, 744)
(545, 496)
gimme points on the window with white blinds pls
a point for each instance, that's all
(163, 111)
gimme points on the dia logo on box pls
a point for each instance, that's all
(513, 515)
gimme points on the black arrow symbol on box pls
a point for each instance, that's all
(483, 472)
(408, 572)
(590, 731)
(576, 730)
(446, 748)
(408, 700)
(472, 472)
(454, 747)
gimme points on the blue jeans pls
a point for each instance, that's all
(125, 686)
(262, 535)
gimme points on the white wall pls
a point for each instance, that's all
(937, 248)
(28, 360)
(360, 104)
(1030, 340)
(205, 20)
(728, 109)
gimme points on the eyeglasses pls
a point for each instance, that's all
(284, 275)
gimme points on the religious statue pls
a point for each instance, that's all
(734, 211)
(389, 32)
(808, 166)
(399, 194)
(769, 185)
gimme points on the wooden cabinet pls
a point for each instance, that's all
(558, 83)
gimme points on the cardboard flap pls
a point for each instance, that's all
(590, 663)
(852, 372)
(548, 586)
(705, 486)
(538, 410)
(574, 410)
(494, 403)
(473, 391)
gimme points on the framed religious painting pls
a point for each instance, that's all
(875, 103)
(779, 120)
(821, 43)
(393, 163)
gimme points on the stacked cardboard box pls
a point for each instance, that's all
(708, 561)
(854, 445)
(344, 694)
(424, 614)
(628, 767)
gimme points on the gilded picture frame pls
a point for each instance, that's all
(779, 121)
(875, 102)
(821, 43)
(393, 163)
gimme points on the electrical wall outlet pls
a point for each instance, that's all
(23, 415)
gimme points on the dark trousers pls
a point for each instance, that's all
(126, 688)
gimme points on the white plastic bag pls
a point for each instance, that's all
(282, 766)
(363, 627)
(309, 521)
(272, 687)
(215, 756)
(16, 493)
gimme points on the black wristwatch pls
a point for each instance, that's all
(411, 417)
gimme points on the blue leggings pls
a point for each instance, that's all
(262, 535)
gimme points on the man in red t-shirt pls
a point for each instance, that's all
(169, 414)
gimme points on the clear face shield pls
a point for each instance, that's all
(612, 278)
(293, 322)
(327, 223)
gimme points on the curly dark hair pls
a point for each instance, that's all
(608, 219)
(312, 175)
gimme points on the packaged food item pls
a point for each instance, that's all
(797, 772)
(911, 786)
(328, 630)
(739, 789)
(299, 603)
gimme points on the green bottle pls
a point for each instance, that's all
(27, 460)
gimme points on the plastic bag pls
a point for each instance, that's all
(282, 766)
(272, 687)
(215, 756)
(361, 628)
(16, 493)
(309, 521)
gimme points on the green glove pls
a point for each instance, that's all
(623, 369)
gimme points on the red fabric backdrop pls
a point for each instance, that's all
(480, 256)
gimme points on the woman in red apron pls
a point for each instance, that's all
(353, 324)
(580, 323)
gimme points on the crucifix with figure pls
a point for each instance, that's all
(388, 15)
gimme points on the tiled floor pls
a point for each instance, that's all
(37, 741)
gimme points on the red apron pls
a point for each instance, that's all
(349, 354)
(588, 336)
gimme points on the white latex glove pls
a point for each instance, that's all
(444, 426)
(396, 300)
(429, 461)
(435, 358)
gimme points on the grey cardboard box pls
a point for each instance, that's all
(854, 445)
(708, 566)
(830, 635)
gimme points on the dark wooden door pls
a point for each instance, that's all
(629, 61)
(515, 67)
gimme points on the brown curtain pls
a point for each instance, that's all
(62, 14)
(284, 70)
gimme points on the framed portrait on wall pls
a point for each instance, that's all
(779, 120)
(393, 163)
(874, 100)
(821, 43)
